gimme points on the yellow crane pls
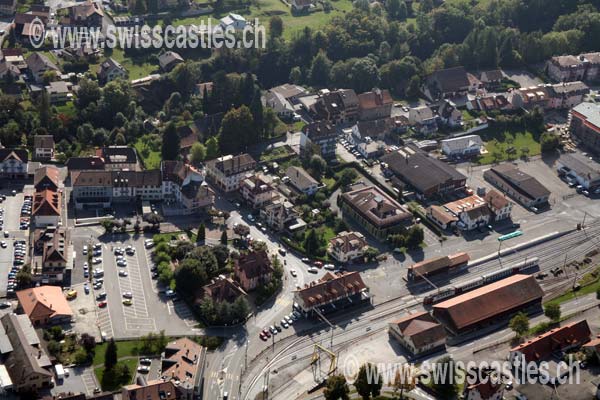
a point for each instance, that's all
(316, 359)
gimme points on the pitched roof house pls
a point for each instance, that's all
(223, 289)
(43, 147)
(169, 60)
(253, 269)
(183, 364)
(38, 64)
(44, 305)
(418, 332)
(110, 70)
(47, 177)
(374, 105)
(332, 292)
(347, 246)
(302, 181)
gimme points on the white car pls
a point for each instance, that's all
(127, 295)
(3, 244)
(284, 323)
(123, 273)
(85, 250)
(121, 263)
(96, 260)
(293, 272)
(313, 270)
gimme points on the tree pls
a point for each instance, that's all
(336, 388)
(88, 92)
(598, 294)
(347, 176)
(256, 108)
(365, 75)
(275, 27)
(24, 277)
(224, 238)
(519, 323)
(311, 242)
(201, 233)
(235, 134)
(552, 311)
(190, 276)
(110, 355)
(88, 342)
(413, 91)
(363, 383)
(108, 225)
(445, 369)
(549, 142)
(319, 70)
(170, 144)
(197, 153)
(212, 148)
(371, 253)
(414, 237)
(317, 165)
(44, 110)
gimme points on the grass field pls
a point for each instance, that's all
(149, 153)
(137, 68)
(498, 144)
(131, 365)
(124, 349)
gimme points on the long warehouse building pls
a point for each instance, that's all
(489, 303)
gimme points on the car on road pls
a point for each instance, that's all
(4, 304)
(282, 252)
(288, 319)
(313, 270)
(86, 288)
(318, 264)
(170, 293)
(6, 234)
(262, 336)
(102, 304)
(293, 272)
(250, 218)
(71, 294)
(127, 302)
(267, 332)
(148, 243)
(155, 275)
(284, 323)
(127, 295)
(3, 244)
(123, 273)
(273, 330)
(306, 260)
(330, 267)
(146, 361)
(85, 250)
(143, 369)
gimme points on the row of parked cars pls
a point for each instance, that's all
(19, 254)
(26, 212)
(276, 328)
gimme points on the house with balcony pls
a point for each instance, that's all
(43, 147)
(13, 163)
(347, 246)
(253, 269)
(256, 191)
(229, 171)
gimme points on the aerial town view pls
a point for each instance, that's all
(299, 199)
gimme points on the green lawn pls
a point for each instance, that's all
(497, 144)
(131, 365)
(124, 349)
(571, 294)
(67, 109)
(137, 68)
(149, 152)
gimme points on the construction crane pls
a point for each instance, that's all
(316, 361)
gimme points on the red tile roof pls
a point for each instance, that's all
(332, 287)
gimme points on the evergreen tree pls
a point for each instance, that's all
(234, 135)
(201, 233)
(224, 238)
(212, 148)
(311, 243)
(319, 70)
(275, 27)
(365, 388)
(256, 108)
(170, 144)
(336, 388)
(110, 355)
(44, 110)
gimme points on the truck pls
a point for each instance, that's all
(60, 372)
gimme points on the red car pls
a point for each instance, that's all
(266, 332)
(318, 264)
(102, 304)
(263, 336)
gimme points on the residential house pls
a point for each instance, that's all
(436, 265)
(45, 305)
(229, 171)
(499, 205)
(52, 260)
(337, 107)
(472, 212)
(169, 60)
(233, 22)
(152, 390)
(492, 79)
(59, 92)
(489, 103)
(8, 7)
(585, 67)
(47, 177)
(347, 246)
(28, 365)
(567, 95)
(542, 347)
(423, 119)
(333, 292)
(441, 217)
(302, 181)
(580, 170)
(119, 158)
(183, 363)
(110, 70)
(24, 27)
(77, 164)
(88, 13)
(489, 304)
(253, 269)
(447, 83)
(13, 163)
(530, 98)
(585, 125)
(374, 105)
(284, 99)
(43, 147)
(370, 149)
(38, 65)
(223, 289)
(489, 387)
(184, 189)
(299, 6)
(319, 138)
(522, 187)
(419, 333)
(7, 68)
(462, 146)
(449, 115)
(279, 215)
(256, 191)
(47, 208)
(375, 211)
(377, 129)
(427, 175)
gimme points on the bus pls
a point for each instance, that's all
(510, 236)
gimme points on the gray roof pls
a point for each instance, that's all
(581, 167)
(462, 142)
(300, 178)
(422, 172)
(590, 111)
(570, 87)
(38, 62)
(5, 346)
(520, 181)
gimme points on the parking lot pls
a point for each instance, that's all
(149, 311)
(11, 232)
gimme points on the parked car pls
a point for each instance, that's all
(102, 304)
